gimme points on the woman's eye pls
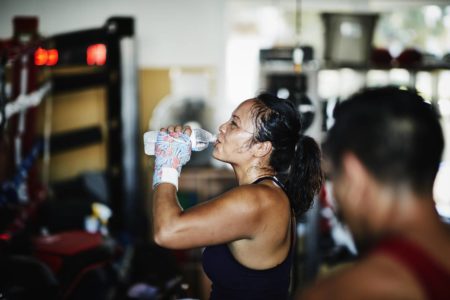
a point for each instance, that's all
(233, 124)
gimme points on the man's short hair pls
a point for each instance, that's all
(393, 132)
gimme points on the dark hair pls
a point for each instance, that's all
(394, 133)
(278, 121)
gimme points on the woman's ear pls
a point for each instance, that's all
(262, 149)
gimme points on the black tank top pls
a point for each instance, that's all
(233, 281)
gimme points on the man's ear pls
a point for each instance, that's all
(262, 149)
(353, 166)
(358, 178)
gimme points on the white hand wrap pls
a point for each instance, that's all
(168, 175)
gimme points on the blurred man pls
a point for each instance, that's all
(383, 153)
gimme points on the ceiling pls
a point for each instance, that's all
(348, 5)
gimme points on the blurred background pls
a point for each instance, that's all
(81, 81)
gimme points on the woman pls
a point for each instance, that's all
(248, 231)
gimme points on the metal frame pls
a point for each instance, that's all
(118, 76)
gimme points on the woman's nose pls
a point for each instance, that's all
(222, 128)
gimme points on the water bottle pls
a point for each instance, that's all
(200, 140)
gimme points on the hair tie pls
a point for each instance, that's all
(300, 138)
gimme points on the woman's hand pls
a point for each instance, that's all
(172, 151)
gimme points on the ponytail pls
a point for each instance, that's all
(297, 157)
(305, 175)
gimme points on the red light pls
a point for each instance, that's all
(40, 57)
(45, 57)
(5, 237)
(96, 55)
(52, 57)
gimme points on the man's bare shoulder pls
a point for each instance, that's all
(375, 277)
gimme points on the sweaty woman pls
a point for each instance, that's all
(248, 231)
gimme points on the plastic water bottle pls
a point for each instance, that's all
(200, 140)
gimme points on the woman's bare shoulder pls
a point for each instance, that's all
(257, 196)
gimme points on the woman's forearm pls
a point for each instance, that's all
(166, 211)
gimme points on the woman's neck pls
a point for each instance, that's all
(250, 174)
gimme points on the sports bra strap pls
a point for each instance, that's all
(273, 178)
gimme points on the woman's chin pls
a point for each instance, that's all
(216, 155)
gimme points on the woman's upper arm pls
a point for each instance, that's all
(231, 216)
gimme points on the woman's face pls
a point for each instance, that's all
(235, 135)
